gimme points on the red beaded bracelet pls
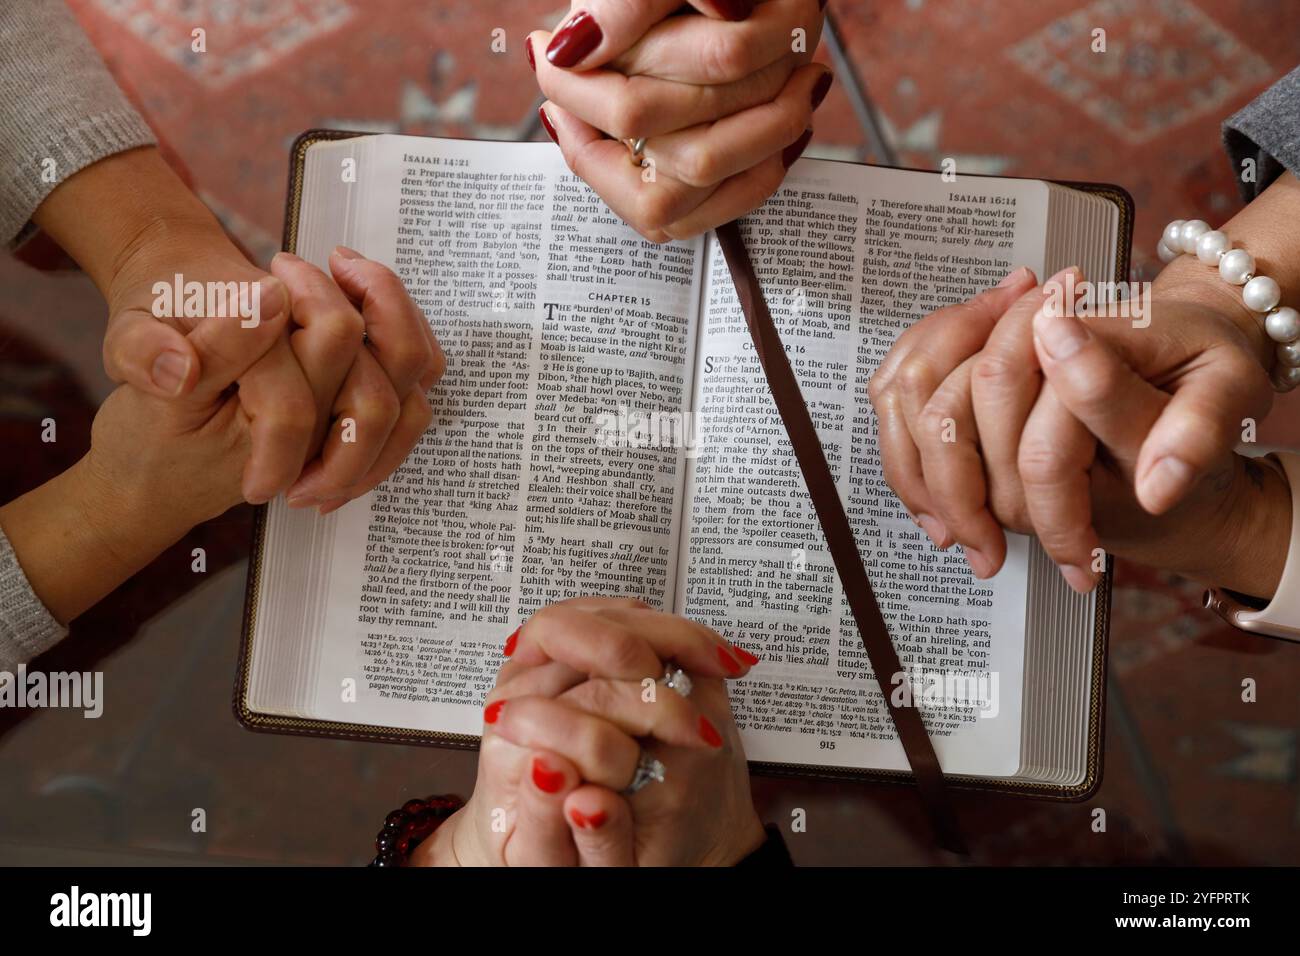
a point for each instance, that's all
(408, 826)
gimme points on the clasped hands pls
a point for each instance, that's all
(725, 100)
(575, 706)
(1096, 433)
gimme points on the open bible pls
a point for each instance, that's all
(604, 428)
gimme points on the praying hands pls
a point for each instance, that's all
(714, 109)
(592, 757)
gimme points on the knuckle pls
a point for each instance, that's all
(653, 210)
(376, 405)
(938, 412)
(598, 742)
(725, 57)
(113, 356)
(1103, 380)
(994, 368)
(598, 697)
(341, 331)
(1007, 502)
(914, 379)
(630, 114)
(438, 363)
(411, 355)
(696, 166)
(624, 653)
(1038, 462)
(876, 390)
(425, 417)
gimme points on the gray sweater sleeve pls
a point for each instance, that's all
(60, 110)
(1267, 131)
(26, 627)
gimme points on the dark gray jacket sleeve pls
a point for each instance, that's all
(1268, 132)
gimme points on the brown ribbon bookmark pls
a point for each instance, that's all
(839, 535)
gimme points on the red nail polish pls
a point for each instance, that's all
(744, 655)
(730, 663)
(546, 122)
(795, 149)
(528, 48)
(584, 822)
(512, 642)
(821, 88)
(709, 732)
(492, 711)
(573, 41)
(734, 9)
(546, 779)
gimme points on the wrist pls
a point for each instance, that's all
(1188, 280)
(113, 212)
(440, 848)
(1258, 522)
(77, 542)
(743, 840)
(122, 515)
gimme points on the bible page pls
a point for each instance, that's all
(848, 257)
(554, 316)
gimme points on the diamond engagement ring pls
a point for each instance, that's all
(647, 769)
(678, 680)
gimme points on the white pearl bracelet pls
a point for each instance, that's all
(1260, 293)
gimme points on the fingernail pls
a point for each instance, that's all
(302, 499)
(795, 149)
(347, 253)
(709, 732)
(286, 256)
(169, 371)
(492, 711)
(1079, 579)
(1014, 277)
(584, 822)
(546, 122)
(257, 497)
(304, 489)
(730, 663)
(936, 529)
(546, 779)
(1060, 276)
(573, 41)
(528, 49)
(744, 655)
(1062, 290)
(512, 642)
(979, 564)
(1060, 335)
(332, 505)
(1166, 481)
(821, 88)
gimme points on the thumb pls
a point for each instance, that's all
(229, 347)
(597, 32)
(1112, 401)
(147, 353)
